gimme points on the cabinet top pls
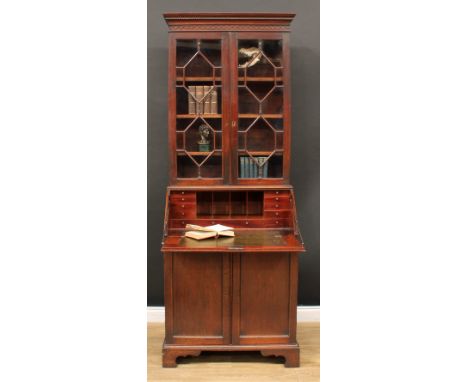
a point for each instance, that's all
(229, 21)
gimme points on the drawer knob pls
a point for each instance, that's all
(183, 206)
(276, 213)
(277, 222)
(183, 213)
(183, 199)
(183, 192)
(246, 222)
(275, 199)
(276, 206)
(277, 192)
(183, 222)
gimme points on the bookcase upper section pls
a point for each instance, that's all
(229, 106)
(202, 21)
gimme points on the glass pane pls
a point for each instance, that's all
(212, 167)
(248, 104)
(273, 103)
(255, 166)
(186, 49)
(199, 99)
(260, 137)
(260, 108)
(279, 140)
(275, 166)
(180, 140)
(259, 58)
(198, 108)
(211, 50)
(186, 168)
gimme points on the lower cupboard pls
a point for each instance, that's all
(229, 301)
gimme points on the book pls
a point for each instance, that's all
(251, 168)
(199, 233)
(242, 167)
(191, 100)
(199, 97)
(209, 95)
(204, 97)
(261, 166)
(214, 101)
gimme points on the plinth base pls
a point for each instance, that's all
(289, 352)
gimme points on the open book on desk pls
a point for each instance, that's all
(199, 233)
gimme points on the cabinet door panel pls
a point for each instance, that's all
(198, 97)
(260, 108)
(263, 314)
(200, 290)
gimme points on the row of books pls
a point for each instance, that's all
(199, 104)
(250, 169)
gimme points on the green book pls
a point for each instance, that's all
(242, 167)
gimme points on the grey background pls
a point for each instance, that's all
(305, 60)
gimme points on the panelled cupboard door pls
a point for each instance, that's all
(264, 298)
(198, 107)
(201, 311)
(198, 298)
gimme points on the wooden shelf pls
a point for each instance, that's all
(277, 116)
(195, 79)
(263, 153)
(260, 79)
(199, 153)
(193, 116)
(240, 79)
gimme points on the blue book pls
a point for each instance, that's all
(255, 168)
(251, 167)
(241, 161)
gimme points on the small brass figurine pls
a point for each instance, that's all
(204, 143)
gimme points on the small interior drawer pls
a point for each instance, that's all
(276, 194)
(182, 196)
(280, 214)
(282, 204)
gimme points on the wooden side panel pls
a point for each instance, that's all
(264, 298)
(168, 295)
(199, 297)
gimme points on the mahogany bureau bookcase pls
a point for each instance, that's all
(229, 144)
